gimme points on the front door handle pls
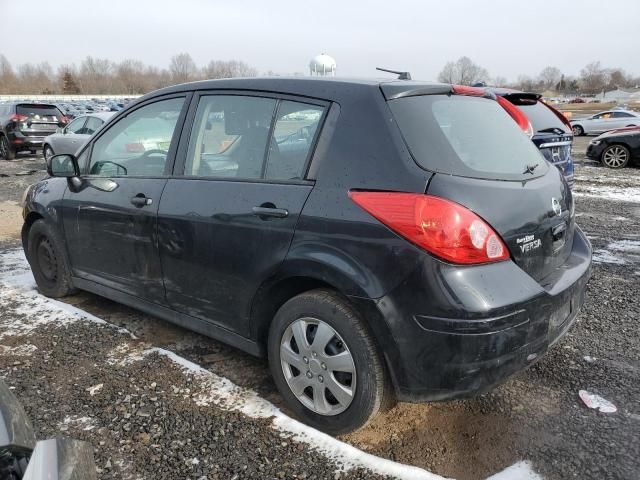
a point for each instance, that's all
(263, 211)
(140, 200)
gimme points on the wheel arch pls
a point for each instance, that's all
(29, 220)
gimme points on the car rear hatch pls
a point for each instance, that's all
(551, 134)
(484, 161)
(38, 120)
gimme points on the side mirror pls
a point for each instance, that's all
(63, 166)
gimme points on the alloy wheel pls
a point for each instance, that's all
(318, 366)
(615, 157)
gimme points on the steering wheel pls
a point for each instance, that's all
(154, 151)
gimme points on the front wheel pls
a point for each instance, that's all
(47, 151)
(325, 363)
(615, 156)
(577, 130)
(48, 262)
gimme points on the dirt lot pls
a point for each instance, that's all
(535, 416)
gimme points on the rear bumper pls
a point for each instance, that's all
(25, 142)
(476, 326)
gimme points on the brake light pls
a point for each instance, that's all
(64, 119)
(444, 228)
(18, 118)
(515, 113)
(469, 91)
(559, 114)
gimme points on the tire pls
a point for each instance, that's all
(360, 395)
(577, 130)
(47, 152)
(615, 156)
(5, 149)
(45, 253)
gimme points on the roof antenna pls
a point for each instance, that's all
(401, 75)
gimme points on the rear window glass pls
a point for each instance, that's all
(540, 116)
(42, 111)
(466, 136)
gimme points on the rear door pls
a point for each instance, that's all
(485, 162)
(624, 119)
(110, 221)
(227, 218)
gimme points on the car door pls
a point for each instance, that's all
(110, 220)
(228, 215)
(602, 122)
(66, 141)
(624, 119)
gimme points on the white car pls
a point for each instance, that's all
(73, 136)
(605, 121)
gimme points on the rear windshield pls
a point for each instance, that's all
(466, 136)
(540, 116)
(44, 112)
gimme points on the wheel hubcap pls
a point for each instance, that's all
(318, 366)
(47, 260)
(615, 157)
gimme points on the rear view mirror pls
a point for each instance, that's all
(16, 431)
(61, 459)
(63, 166)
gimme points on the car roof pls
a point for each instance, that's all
(319, 87)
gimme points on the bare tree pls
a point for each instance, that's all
(182, 68)
(96, 75)
(228, 69)
(8, 79)
(550, 76)
(593, 78)
(463, 72)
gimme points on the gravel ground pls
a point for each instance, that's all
(535, 416)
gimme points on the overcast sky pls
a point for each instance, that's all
(507, 37)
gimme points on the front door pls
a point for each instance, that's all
(226, 225)
(110, 220)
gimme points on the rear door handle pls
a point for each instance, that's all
(140, 200)
(270, 212)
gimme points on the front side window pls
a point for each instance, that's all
(138, 144)
(93, 124)
(76, 126)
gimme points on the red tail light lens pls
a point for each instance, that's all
(18, 118)
(64, 119)
(515, 113)
(444, 228)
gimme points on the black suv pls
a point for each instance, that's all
(550, 130)
(376, 240)
(23, 126)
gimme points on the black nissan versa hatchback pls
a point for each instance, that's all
(377, 240)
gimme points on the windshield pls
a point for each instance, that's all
(466, 136)
(40, 112)
(541, 117)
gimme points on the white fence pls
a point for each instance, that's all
(61, 98)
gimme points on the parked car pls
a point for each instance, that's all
(410, 242)
(577, 100)
(23, 126)
(551, 130)
(72, 137)
(617, 148)
(605, 121)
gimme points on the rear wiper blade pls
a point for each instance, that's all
(531, 168)
(552, 130)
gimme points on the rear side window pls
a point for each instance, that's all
(251, 138)
(466, 136)
(40, 112)
(540, 116)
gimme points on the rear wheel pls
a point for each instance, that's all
(47, 151)
(48, 263)
(615, 156)
(577, 130)
(326, 364)
(5, 149)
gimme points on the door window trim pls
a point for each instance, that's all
(175, 138)
(183, 147)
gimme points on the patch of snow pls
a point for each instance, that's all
(25, 350)
(95, 389)
(518, 471)
(605, 256)
(616, 194)
(632, 246)
(84, 423)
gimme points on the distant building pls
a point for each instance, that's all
(322, 65)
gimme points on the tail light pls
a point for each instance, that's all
(515, 113)
(444, 228)
(64, 119)
(469, 91)
(18, 118)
